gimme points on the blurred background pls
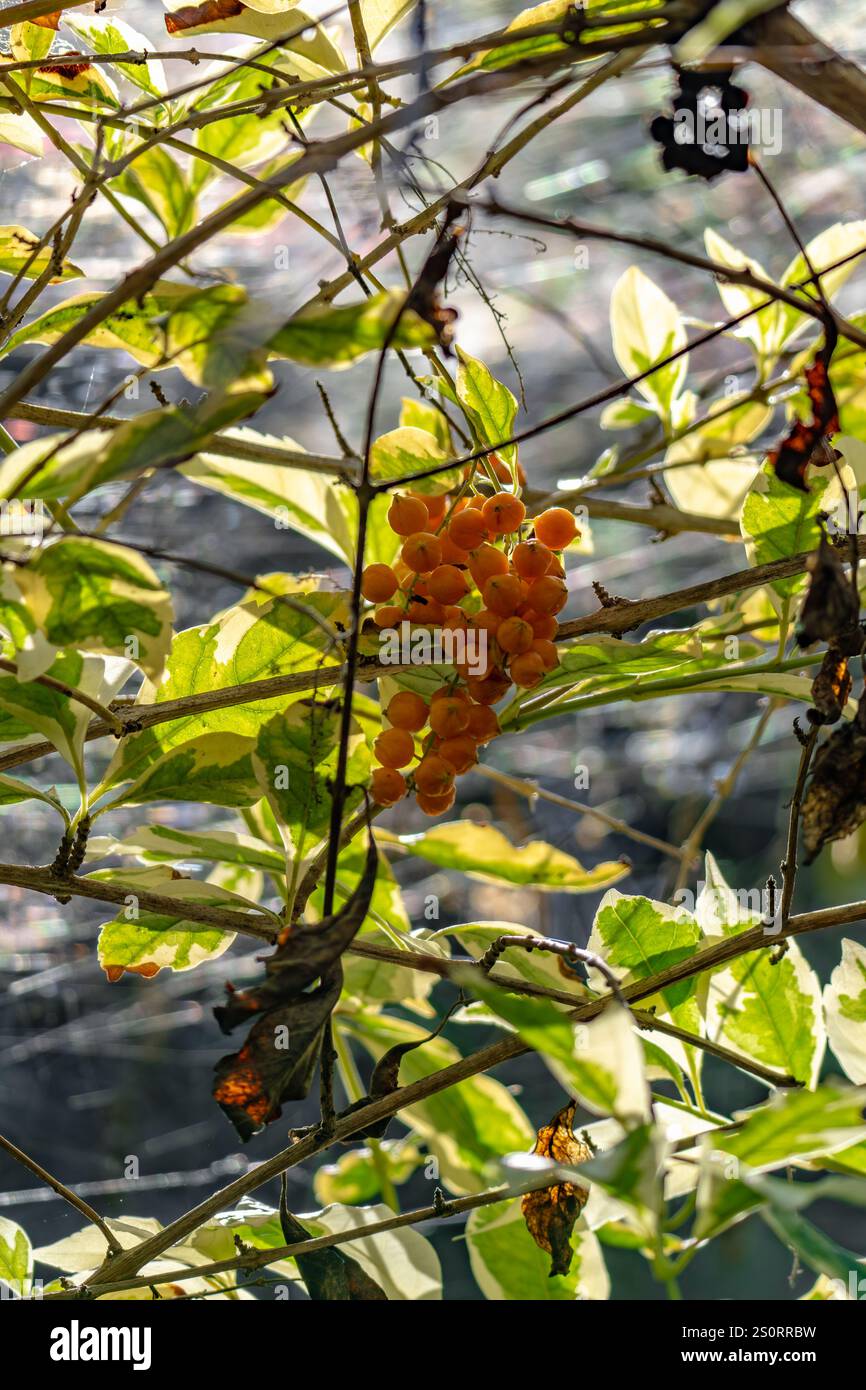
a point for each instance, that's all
(90, 1073)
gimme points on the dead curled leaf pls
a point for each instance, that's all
(805, 443)
(331, 1276)
(550, 1212)
(830, 688)
(277, 1061)
(831, 608)
(835, 803)
(385, 1080)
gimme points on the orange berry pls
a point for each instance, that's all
(503, 512)
(455, 620)
(422, 552)
(460, 751)
(556, 566)
(433, 776)
(452, 554)
(378, 583)
(451, 692)
(547, 595)
(504, 593)
(543, 624)
(435, 805)
(527, 670)
(407, 515)
(515, 635)
(425, 611)
(487, 690)
(406, 710)
(485, 561)
(436, 508)
(467, 529)
(447, 584)
(547, 651)
(556, 528)
(394, 747)
(483, 724)
(531, 559)
(389, 616)
(487, 621)
(448, 716)
(387, 785)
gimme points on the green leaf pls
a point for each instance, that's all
(646, 327)
(17, 247)
(156, 180)
(213, 768)
(145, 942)
(510, 1268)
(28, 41)
(295, 762)
(248, 643)
(355, 1177)
(16, 1258)
(600, 1062)
(638, 938)
(109, 34)
(13, 791)
(326, 336)
(464, 1127)
(819, 1251)
(723, 473)
(22, 132)
(766, 1012)
(408, 450)
(779, 521)
(797, 1125)
(97, 597)
(764, 330)
(61, 720)
(307, 502)
(538, 967)
(484, 852)
(381, 16)
(160, 844)
(835, 243)
(423, 415)
(845, 1010)
(150, 440)
(490, 407)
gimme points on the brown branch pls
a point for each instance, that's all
(484, 1060)
(790, 50)
(62, 1191)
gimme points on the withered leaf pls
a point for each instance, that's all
(835, 803)
(700, 157)
(805, 442)
(830, 688)
(831, 609)
(550, 1212)
(191, 16)
(277, 1061)
(424, 298)
(330, 1275)
(385, 1080)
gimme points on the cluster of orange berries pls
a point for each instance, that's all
(457, 555)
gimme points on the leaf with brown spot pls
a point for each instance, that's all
(805, 442)
(550, 1212)
(277, 1061)
(830, 688)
